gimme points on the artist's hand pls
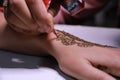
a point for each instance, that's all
(31, 16)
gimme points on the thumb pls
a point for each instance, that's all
(54, 7)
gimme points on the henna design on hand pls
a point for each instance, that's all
(68, 39)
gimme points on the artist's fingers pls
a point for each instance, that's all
(40, 14)
(13, 19)
(18, 25)
(20, 9)
(54, 7)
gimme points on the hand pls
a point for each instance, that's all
(87, 61)
(30, 17)
(90, 63)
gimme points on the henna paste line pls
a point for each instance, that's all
(68, 39)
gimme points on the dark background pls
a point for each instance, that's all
(107, 17)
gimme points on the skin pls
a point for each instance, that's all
(85, 59)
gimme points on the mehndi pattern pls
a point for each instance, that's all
(68, 39)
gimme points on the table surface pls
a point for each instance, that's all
(12, 63)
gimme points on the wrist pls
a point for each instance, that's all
(47, 42)
(54, 46)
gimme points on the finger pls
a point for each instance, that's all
(54, 7)
(20, 9)
(85, 71)
(40, 14)
(110, 60)
(111, 70)
(92, 73)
